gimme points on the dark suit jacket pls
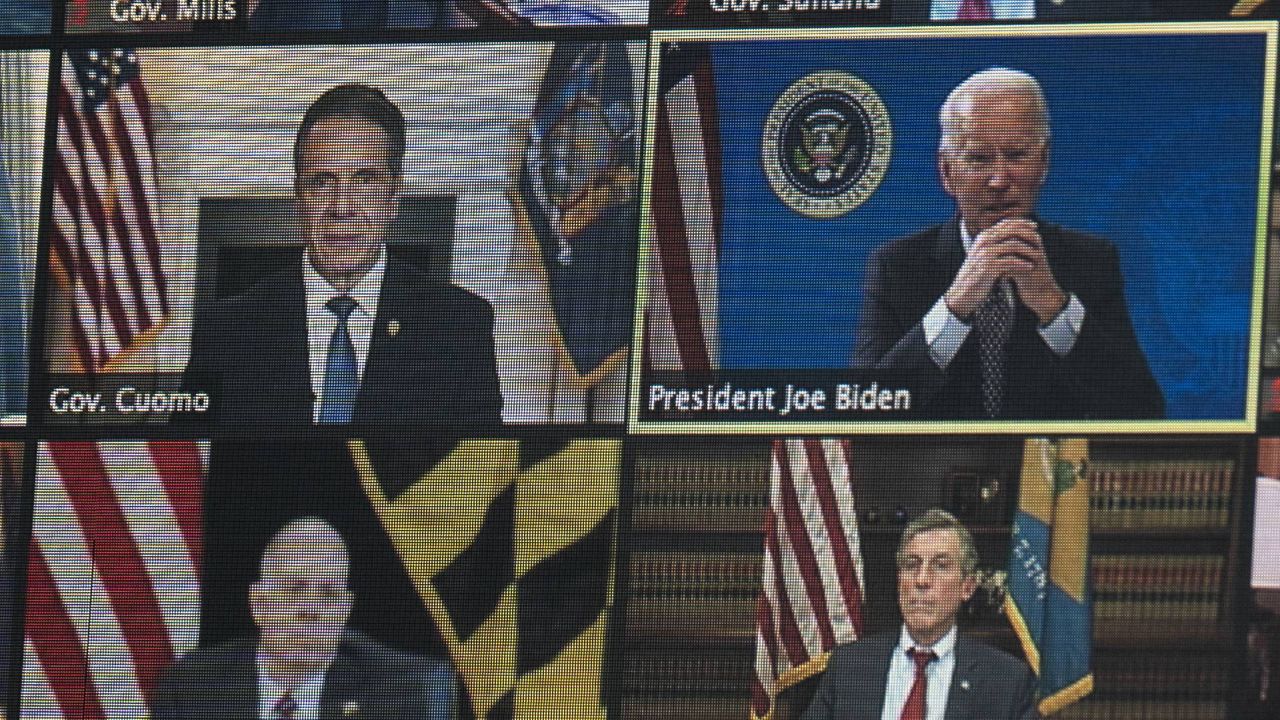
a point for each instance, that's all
(987, 685)
(250, 353)
(917, 11)
(221, 683)
(1105, 376)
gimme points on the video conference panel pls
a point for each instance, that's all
(492, 266)
(846, 193)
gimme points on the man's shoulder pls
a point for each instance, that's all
(877, 647)
(371, 658)
(274, 288)
(913, 244)
(405, 282)
(1074, 238)
(209, 660)
(989, 656)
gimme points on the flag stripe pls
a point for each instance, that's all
(53, 637)
(77, 580)
(704, 86)
(811, 576)
(846, 572)
(802, 550)
(180, 468)
(681, 330)
(788, 630)
(117, 531)
(117, 556)
(673, 254)
(104, 229)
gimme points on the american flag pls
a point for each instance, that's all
(687, 204)
(113, 590)
(811, 590)
(105, 247)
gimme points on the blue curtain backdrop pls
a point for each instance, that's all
(1155, 147)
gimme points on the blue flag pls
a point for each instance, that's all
(578, 186)
(1049, 601)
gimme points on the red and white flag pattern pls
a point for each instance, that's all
(103, 235)
(812, 583)
(113, 583)
(681, 327)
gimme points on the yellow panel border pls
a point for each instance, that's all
(1270, 29)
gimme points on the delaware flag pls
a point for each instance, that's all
(1049, 598)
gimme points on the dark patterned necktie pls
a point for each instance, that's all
(286, 708)
(974, 10)
(916, 707)
(993, 322)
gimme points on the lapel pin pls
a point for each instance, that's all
(350, 709)
(393, 328)
(964, 684)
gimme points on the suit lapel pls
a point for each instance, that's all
(286, 356)
(241, 697)
(948, 249)
(876, 682)
(960, 698)
(386, 364)
(341, 686)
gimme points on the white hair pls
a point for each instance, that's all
(956, 110)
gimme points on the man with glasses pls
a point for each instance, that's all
(305, 663)
(998, 314)
(928, 671)
(349, 334)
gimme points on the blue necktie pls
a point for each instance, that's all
(340, 377)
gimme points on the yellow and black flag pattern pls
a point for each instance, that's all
(510, 545)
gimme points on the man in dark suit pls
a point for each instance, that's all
(928, 671)
(305, 664)
(349, 334)
(998, 314)
(922, 11)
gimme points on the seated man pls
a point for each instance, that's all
(998, 313)
(928, 671)
(305, 663)
(349, 334)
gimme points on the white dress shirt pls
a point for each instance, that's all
(1000, 9)
(902, 675)
(321, 322)
(306, 695)
(945, 333)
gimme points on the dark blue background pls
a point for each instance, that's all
(1155, 147)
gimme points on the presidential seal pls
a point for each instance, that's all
(826, 144)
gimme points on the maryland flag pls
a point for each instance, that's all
(1049, 596)
(510, 546)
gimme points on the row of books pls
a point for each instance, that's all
(1158, 589)
(704, 495)
(1161, 494)
(667, 674)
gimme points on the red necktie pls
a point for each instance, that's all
(915, 707)
(285, 708)
(974, 10)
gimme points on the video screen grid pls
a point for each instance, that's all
(475, 236)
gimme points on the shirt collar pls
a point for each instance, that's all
(306, 693)
(944, 647)
(965, 238)
(364, 292)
